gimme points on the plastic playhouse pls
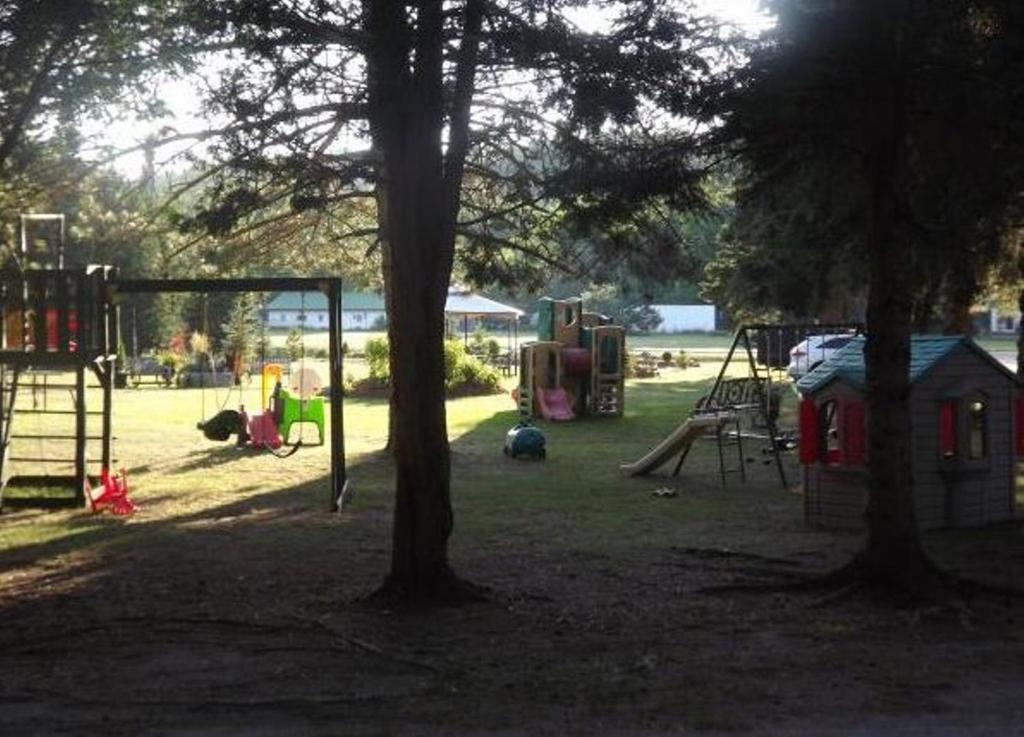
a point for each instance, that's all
(968, 414)
(575, 367)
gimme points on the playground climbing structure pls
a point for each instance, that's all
(58, 334)
(575, 367)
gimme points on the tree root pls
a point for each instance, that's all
(730, 553)
(838, 578)
(446, 589)
(928, 586)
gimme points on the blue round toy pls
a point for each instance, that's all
(525, 440)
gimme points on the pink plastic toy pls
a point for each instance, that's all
(263, 431)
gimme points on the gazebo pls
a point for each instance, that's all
(462, 305)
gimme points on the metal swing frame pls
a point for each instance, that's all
(770, 357)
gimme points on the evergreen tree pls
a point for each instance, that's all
(884, 104)
(447, 94)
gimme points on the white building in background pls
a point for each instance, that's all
(1003, 322)
(685, 318)
(359, 311)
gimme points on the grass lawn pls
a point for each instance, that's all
(231, 604)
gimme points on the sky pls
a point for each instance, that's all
(182, 100)
(744, 13)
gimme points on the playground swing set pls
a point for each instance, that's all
(55, 320)
(742, 408)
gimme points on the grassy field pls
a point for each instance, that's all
(231, 603)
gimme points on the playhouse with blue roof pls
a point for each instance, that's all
(967, 416)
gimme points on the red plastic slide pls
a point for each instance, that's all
(554, 405)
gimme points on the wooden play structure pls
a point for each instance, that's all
(967, 412)
(58, 322)
(576, 365)
(58, 335)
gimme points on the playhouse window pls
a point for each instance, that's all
(831, 450)
(977, 412)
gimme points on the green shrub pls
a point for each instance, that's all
(463, 372)
(378, 356)
(173, 361)
(293, 344)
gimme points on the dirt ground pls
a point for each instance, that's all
(244, 615)
(218, 631)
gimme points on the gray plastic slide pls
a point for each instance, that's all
(680, 439)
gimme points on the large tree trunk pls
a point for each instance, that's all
(418, 202)
(423, 512)
(893, 555)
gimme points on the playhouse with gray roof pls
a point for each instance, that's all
(967, 417)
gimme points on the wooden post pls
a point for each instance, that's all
(111, 340)
(64, 310)
(336, 382)
(80, 433)
(515, 343)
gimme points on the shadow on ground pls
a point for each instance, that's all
(245, 616)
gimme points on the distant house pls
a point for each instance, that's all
(359, 310)
(686, 318)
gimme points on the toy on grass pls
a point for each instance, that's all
(112, 495)
(525, 440)
(301, 403)
(262, 431)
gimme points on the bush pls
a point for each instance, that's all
(463, 373)
(174, 361)
(293, 344)
(378, 355)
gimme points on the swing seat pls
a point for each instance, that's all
(294, 410)
(263, 432)
(113, 495)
